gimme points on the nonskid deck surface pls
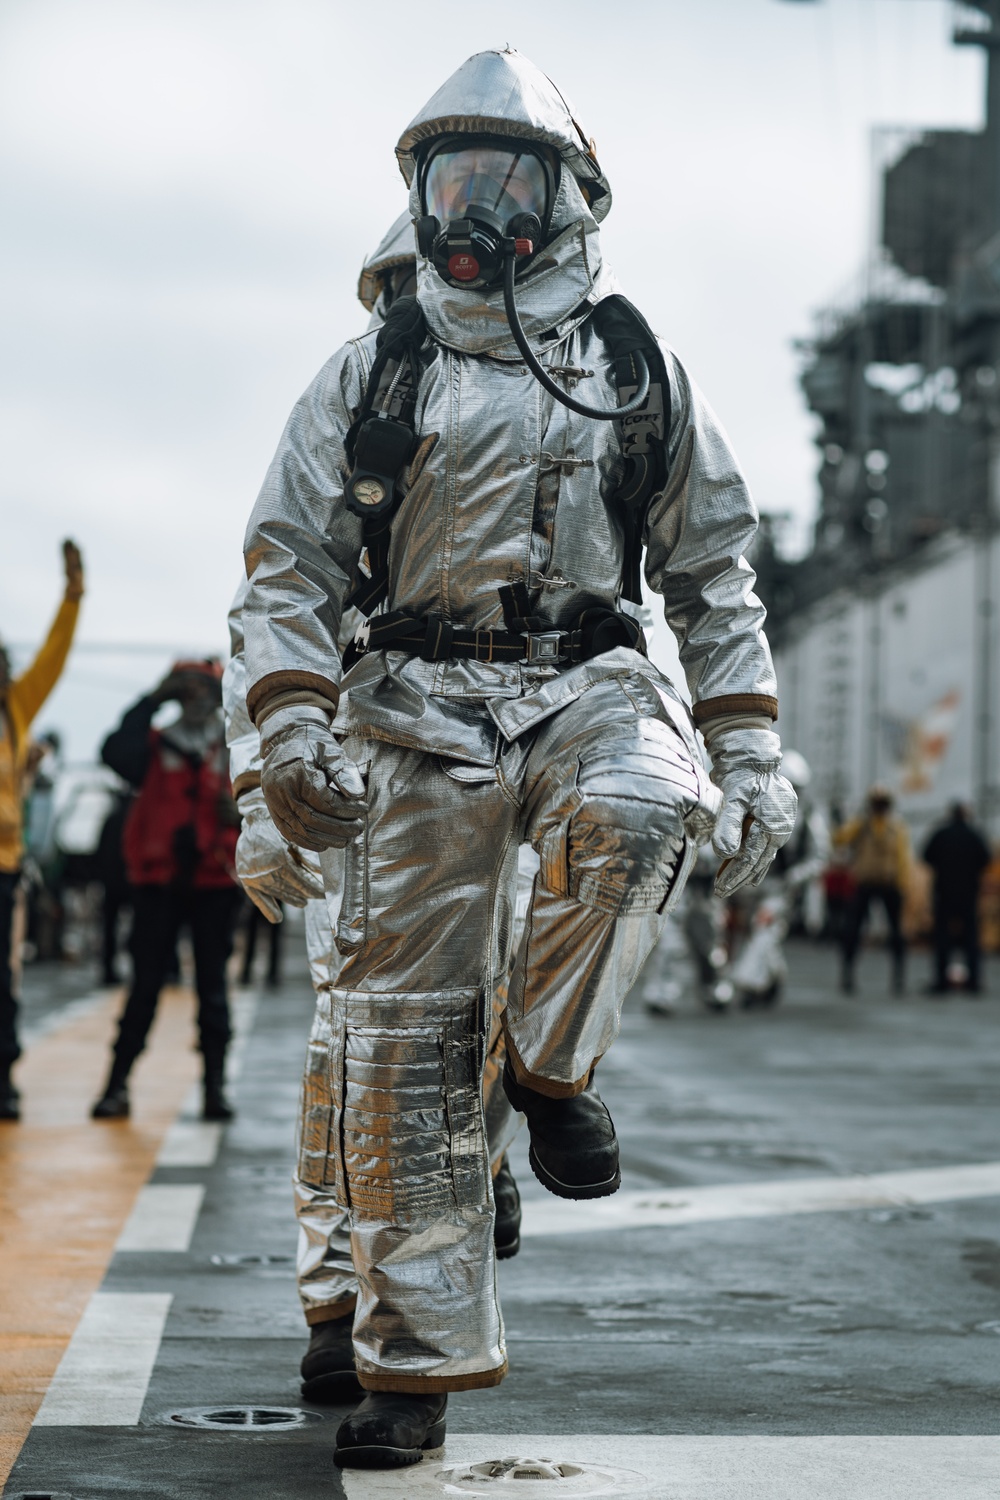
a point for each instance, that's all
(795, 1292)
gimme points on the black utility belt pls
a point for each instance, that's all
(436, 639)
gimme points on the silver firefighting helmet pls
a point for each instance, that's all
(506, 193)
(390, 271)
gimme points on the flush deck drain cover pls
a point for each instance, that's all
(546, 1478)
(258, 1419)
(41, 1495)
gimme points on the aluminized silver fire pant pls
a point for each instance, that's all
(324, 1268)
(606, 791)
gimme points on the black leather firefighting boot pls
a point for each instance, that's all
(114, 1102)
(327, 1369)
(10, 1099)
(574, 1149)
(215, 1105)
(390, 1430)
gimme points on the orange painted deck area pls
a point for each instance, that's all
(67, 1185)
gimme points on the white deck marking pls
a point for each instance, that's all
(710, 1468)
(190, 1143)
(163, 1218)
(104, 1374)
(666, 1207)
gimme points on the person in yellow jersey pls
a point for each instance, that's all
(21, 699)
(878, 848)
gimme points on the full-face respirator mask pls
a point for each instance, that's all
(487, 205)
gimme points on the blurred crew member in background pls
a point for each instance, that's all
(878, 848)
(110, 867)
(253, 923)
(20, 700)
(179, 843)
(958, 855)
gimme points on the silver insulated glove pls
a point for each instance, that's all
(758, 812)
(315, 793)
(270, 869)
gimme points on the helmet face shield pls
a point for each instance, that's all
(502, 178)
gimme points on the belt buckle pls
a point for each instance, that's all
(543, 647)
(361, 636)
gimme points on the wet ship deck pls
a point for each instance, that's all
(795, 1293)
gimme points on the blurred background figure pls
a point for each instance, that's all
(691, 957)
(179, 845)
(21, 698)
(40, 917)
(877, 846)
(790, 898)
(958, 856)
(109, 867)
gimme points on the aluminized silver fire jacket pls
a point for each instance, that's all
(508, 486)
(595, 764)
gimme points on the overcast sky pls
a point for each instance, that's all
(190, 186)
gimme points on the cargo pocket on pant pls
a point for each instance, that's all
(413, 1136)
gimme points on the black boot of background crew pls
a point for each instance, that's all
(10, 1099)
(390, 1430)
(114, 1102)
(507, 1202)
(574, 1149)
(327, 1369)
(216, 1106)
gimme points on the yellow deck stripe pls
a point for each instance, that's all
(67, 1186)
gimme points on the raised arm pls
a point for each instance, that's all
(127, 749)
(30, 690)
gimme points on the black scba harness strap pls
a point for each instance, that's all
(380, 446)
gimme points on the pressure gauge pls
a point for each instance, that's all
(368, 490)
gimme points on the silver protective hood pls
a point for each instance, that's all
(396, 248)
(502, 93)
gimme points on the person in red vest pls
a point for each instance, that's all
(179, 845)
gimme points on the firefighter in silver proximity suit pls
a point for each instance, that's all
(272, 871)
(499, 696)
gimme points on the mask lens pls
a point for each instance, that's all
(506, 181)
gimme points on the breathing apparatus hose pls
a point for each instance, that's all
(542, 375)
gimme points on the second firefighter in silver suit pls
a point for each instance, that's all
(483, 715)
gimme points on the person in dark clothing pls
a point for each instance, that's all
(110, 863)
(179, 845)
(958, 855)
(255, 921)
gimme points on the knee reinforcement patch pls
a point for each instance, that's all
(620, 846)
